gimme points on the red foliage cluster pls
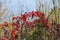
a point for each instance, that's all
(39, 14)
(16, 24)
(16, 21)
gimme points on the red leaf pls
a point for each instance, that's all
(24, 18)
(40, 14)
(14, 32)
(30, 24)
(14, 18)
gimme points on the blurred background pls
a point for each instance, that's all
(10, 21)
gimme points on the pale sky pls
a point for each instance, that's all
(16, 5)
(26, 5)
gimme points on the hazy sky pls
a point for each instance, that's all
(16, 5)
